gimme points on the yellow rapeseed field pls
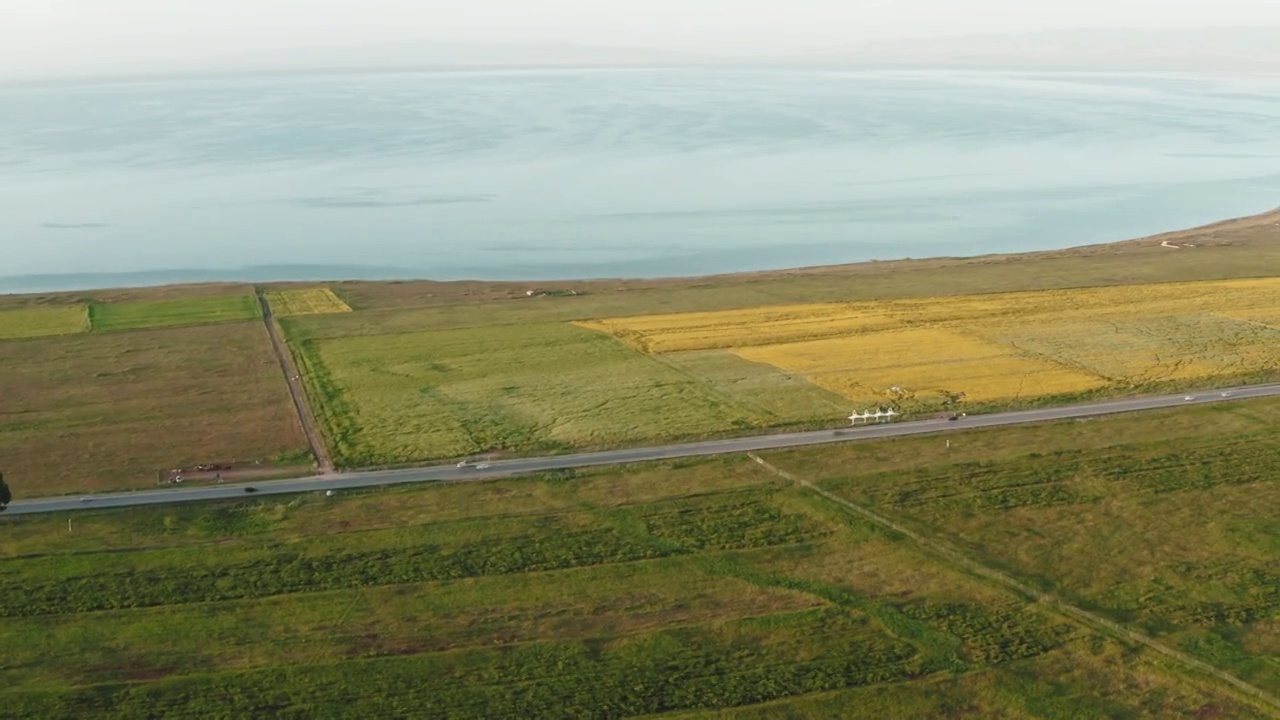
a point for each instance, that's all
(993, 347)
(311, 301)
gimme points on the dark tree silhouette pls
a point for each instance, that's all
(5, 495)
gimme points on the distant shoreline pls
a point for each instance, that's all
(1272, 70)
(57, 284)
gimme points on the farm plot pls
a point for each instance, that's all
(309, 301)
(43, 321)
(736, 328)
(107, 317)
(1151, 349)
(546, 598)
(431, 395)
(921, 363)
(99, 411)
(1176, 542)
(992, 348)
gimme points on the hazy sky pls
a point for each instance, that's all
(56, 37)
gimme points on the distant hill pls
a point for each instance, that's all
(1209, 49)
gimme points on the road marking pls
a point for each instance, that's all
(1094, 620)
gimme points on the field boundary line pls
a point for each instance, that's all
(293, 381)
(1079, 614)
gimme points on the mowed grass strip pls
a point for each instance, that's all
(33, 322)
(309, 301)
(544, 388)
(109, 317)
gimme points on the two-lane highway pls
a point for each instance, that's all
(519, 466)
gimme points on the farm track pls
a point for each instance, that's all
(1078, 614)
(294, 381)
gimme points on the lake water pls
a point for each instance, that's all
(578, 173)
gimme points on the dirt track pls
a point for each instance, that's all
(294, 380)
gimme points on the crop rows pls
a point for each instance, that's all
(689, 668)
(1253, 594)
(289, 572)
(975, 485)
(724, 526)
(1041, 480)
(990, 636)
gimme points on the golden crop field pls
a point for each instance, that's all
(867, 367)
(993, 347)
(43, 321)
(309, 301)
(716, 330)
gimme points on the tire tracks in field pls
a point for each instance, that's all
(1093, 620)
(293, 379)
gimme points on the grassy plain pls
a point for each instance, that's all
(525, 388)
(387, 395)
(1006, 346)
(139, 314)
(305, 301)
(711, 587)
(20, 323)
(1169, 529)
(107, 411)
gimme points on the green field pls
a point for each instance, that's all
(711, 588)
(1173, 532)
(21, 323)
(111, 316)
(522, 388)
(424, 371)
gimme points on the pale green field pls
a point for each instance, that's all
(107, 317)
(34, 322)
(524, 388)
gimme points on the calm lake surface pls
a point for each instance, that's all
(580, 173)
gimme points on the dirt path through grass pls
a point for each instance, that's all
(294, 380)
(1084, 616)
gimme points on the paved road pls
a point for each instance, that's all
(518, 466)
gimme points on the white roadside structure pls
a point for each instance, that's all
(879, 415)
